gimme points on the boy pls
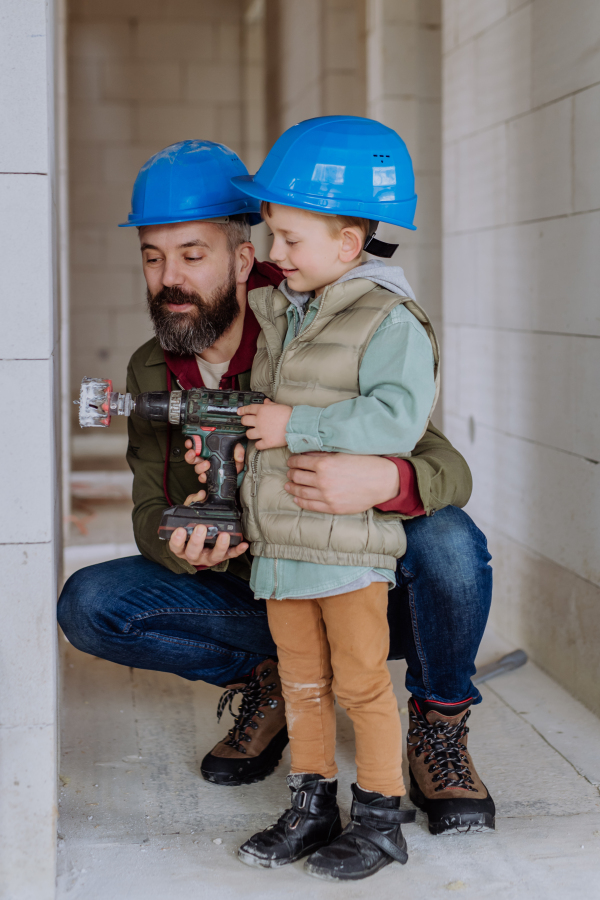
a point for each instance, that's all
(350, 360)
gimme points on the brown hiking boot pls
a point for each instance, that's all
(253, 747)
(443, 779)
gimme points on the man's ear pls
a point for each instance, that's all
(244, 260)
(351, 244)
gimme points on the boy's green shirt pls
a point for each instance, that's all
(443, 475)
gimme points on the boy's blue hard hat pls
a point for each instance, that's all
(342, 165)
(188, 181)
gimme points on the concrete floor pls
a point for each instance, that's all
(137, 821)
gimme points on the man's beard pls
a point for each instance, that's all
(189, 333)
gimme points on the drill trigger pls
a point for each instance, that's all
(197, 444)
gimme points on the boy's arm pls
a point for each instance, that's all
(396, 393)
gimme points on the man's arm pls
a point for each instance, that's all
(443, 476)
(341, 484)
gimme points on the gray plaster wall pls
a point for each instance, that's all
(142, 74)
(30, 415)
(521, 120)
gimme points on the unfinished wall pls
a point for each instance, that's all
(320, 46)
(143, 74)
(521, 275)
(404, 92)
(30, 413)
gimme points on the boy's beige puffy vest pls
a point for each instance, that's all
(319, 367)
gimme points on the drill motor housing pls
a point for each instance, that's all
(209, 418)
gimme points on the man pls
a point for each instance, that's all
(188, 609)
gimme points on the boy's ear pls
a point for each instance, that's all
(352, 240)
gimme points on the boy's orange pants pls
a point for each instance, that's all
(340, 644)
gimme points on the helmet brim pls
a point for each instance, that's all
(326, 205)
(253, 218)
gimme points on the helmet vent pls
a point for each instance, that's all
(381, 155)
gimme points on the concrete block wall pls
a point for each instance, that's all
(403, 85)
(318, 48)
(142, 74)
(30, 413)
(521, 121)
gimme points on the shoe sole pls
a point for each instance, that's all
(237, 782)
(455, 823)
(250, 860)
(325, 874)
(280, 740)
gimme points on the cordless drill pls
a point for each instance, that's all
(210, 419)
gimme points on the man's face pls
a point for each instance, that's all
(192, 279)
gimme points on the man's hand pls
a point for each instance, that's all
(266, 423)
(194, 551)
(341, 484)
(201, 466)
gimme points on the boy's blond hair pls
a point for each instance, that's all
(334, 223)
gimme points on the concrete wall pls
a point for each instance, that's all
(143, 74)
(403, 50)
(321, 52)
(29, 410)
(522, 322)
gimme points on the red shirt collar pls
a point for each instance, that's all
(185, 369)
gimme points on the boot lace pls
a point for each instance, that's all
(254, 699)
(446, 754)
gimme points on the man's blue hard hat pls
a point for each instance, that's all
(188, 181)
(342, 165)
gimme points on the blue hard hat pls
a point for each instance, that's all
(188, 181)
(342, 165)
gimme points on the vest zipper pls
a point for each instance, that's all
(283, 352)
(254, 470)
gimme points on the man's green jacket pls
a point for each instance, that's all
(443, 476)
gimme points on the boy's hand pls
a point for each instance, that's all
(266, 423)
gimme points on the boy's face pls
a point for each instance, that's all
(310, 255)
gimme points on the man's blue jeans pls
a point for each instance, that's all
(209, 627)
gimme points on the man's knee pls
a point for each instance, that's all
(84, 607)
(448, 541)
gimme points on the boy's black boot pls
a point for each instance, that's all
(312, 821)
(372, 840)
(443, 780)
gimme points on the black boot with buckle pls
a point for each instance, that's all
(254, 745)
(312, 822)
(372, 840)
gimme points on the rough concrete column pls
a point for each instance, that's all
(29, 404)
(522, 330)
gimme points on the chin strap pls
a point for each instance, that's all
(379, 248)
